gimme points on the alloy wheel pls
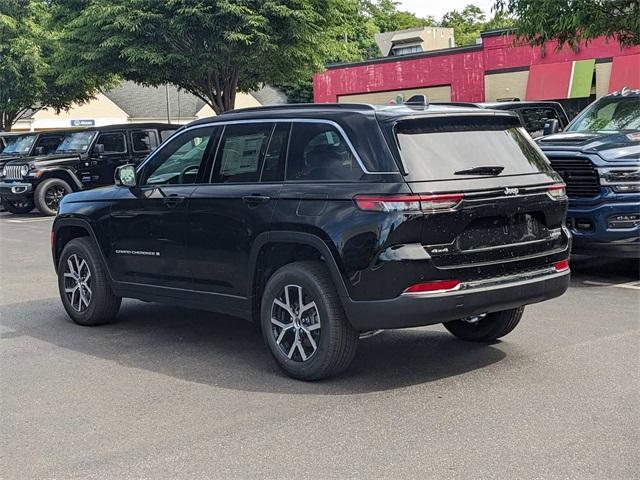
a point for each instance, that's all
(53, 197)
(295, 323)
(77, 283)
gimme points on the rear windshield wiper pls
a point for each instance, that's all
(483, 170)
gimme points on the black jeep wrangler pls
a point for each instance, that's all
(323, 222)
(21, 145)
(80, 159)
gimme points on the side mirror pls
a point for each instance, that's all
(126, 176)
(99, 148)
(40, 151)
(551, 126)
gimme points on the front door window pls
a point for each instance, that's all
(178, 163)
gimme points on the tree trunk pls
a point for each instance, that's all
(7, 119)
(221, 93)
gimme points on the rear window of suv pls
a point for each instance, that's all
(445, 147)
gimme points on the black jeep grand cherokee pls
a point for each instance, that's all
(321, 222)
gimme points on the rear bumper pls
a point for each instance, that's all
(475, 299)
(592, 234)
(15, 190)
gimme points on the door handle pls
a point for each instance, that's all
(255, 199)
(172, 201)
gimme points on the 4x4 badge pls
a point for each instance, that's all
(511, 191)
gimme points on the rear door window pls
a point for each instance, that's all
(447, 148)
(319, 152)
(241, 152)
(143, 141)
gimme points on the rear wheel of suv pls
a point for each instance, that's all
(82, 282)
(486, 328)
(19, 206)
(303, 322)
(49, 194)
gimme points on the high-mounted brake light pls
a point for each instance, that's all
(557, 191)
(561, 266)
(408, 203)
(433, 287)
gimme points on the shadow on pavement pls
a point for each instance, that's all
(606, 270)
(217, 350)
(17, 216)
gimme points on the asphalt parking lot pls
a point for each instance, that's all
(173, 393)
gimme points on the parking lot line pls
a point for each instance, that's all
(635, 285)
(30, 220)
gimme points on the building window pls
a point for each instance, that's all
(406, 50)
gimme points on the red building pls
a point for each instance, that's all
(493, 70)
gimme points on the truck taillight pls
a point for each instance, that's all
(408, 203)
(557, 191)
(561, 266)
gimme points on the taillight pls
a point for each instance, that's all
(388, 203)
(561, 266)
(432, 287)
(408, 203)
(435, 203)
(557, 191)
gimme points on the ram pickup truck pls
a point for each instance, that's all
(598, 157)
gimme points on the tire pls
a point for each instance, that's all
(99, 305)
(490, 328)
(49, 194)
(20, 206)
(334, 338)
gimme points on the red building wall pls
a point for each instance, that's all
(462, 68)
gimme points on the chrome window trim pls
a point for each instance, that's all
(276, 120)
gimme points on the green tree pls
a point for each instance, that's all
(574, 21)
(31, 76)
(387, 17)
(210, 48)
(500, 20)
(466, 24)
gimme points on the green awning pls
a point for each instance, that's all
(581, 78)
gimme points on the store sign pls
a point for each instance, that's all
(83, 123)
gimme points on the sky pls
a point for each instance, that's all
(437, 8)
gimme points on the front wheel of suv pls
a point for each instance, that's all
(303, 322)
(486, 328)
(83, 285)
(17, 206)
(48, 195)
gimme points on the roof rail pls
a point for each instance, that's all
(303, 106)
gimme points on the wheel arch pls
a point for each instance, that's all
(63, 174)
(66, 229)
(272, 250)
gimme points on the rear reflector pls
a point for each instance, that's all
(437, 286)
(557, 191)
(408, 203)
(561, 266)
